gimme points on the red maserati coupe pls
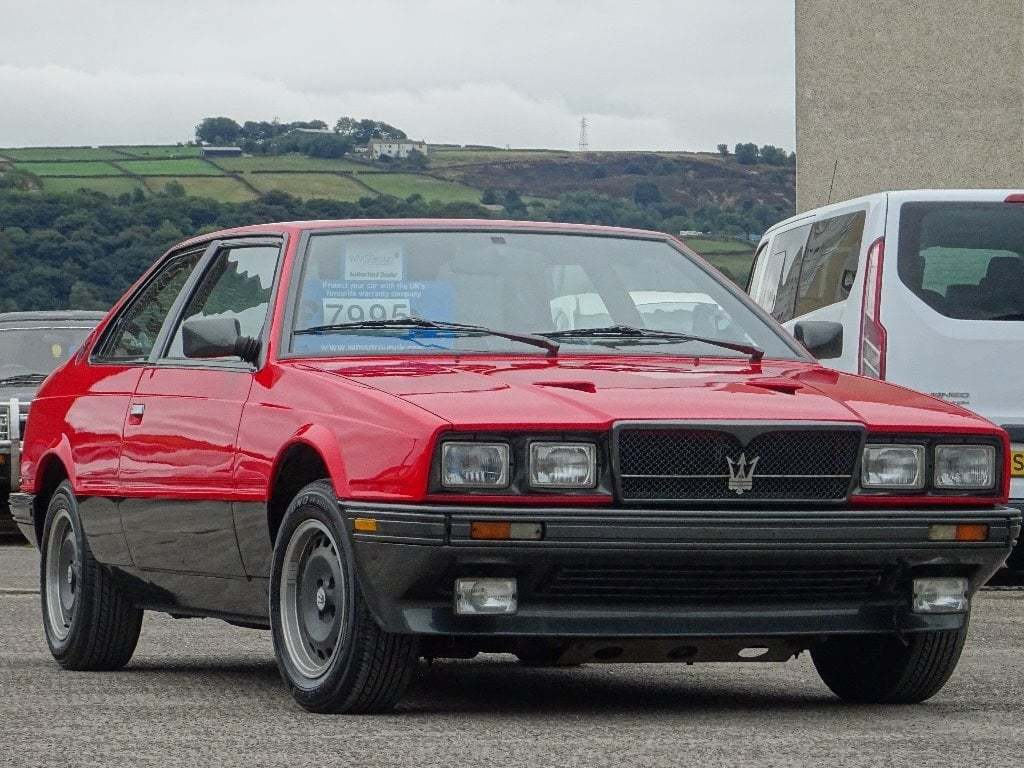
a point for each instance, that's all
(387, 440)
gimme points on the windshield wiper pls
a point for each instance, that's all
(23, 380)
(418, 323)
(614, 335)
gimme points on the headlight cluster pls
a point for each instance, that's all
(549, 465)
(906, 466)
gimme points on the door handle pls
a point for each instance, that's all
(137, 411)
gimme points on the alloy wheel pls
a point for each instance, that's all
(63, 574)
(312, 598)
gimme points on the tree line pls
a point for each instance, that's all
(308, 137)
(82, 250)
(751, 154)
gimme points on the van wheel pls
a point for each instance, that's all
(89, 623)
(331, 653)
(880, 669)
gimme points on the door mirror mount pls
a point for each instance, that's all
(211, 337)
(822, 338)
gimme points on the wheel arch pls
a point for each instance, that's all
(312, 454)
(53, 469)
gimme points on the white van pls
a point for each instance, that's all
(923, 288)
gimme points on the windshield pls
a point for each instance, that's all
(522, 283)
(964, 260)
(37, 351)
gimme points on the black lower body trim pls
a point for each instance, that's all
(615, 573)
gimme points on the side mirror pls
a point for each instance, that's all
(822, 338)
(208, 337)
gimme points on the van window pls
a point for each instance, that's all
(778, 286)
(964, 260)
(830, 262)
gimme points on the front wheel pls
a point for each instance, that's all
(90, 624)
(883, 669)
(330, 651)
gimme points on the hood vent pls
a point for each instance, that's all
(578, 386)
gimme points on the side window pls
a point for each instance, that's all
(133, 333)
(830, 262)
(782, 277)
(236, 285)
(756, 277)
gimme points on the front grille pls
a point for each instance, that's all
(704, 585)
(693, 464)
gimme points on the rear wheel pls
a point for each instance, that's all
(330, 651)
(90, 624)
(882, 669)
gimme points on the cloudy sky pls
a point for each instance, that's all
(648, 74)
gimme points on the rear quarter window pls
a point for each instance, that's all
(964, 260)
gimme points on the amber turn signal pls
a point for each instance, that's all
(503, 530)
(365, 525)
(961, 532)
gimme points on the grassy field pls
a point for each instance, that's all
(404, 184)
(442, 156)
(309, 185)
(70, 169)
(186, 167)
(158, 152)
(223, 188)
(709, 245)
(455, 175)
(286, 163)
(58, 154)
(108, 185)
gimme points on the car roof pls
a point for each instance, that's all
(47, 316)
(447, 225)
(897, 197)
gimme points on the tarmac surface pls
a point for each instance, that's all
(202, 693)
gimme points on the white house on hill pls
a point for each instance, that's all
(400, 148)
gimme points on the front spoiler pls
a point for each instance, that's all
(406, 567)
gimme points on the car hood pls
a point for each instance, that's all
(592, 393)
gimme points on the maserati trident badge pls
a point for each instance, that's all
(741, 473)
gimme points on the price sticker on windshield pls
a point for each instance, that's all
(355, 310)
(375, 261)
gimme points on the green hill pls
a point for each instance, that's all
(671, 190)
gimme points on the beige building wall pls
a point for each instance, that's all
(902, 94)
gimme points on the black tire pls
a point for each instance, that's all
(331, 652)
(96, 627)
(881, 669)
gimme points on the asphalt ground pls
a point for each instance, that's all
(202, 693)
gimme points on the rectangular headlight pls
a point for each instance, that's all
(965, 466)
(940, 595)
(893, 467)
(563, 465)
(474, 465)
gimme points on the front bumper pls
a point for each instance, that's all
(659, 573)
(10, 446)
(1015, 562)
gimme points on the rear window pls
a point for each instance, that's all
(965, 260)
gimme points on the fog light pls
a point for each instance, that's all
(487, 596)
(947, 595)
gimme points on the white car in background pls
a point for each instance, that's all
(922, 288)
